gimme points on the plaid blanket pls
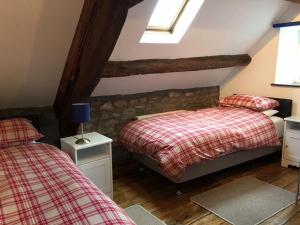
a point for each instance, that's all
(182, 139)
(40, 185)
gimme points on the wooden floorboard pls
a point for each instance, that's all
(157, 194)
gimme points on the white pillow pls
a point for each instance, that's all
(270, 112)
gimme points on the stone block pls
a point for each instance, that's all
(120, 103)
(107, 106)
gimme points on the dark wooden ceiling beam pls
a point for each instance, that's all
(151, 66)
(97, 32)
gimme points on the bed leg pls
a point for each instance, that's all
(141, 168)
(277, 156)
(179, 189)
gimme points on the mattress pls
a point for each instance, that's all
(279, 125)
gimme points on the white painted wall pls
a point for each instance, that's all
(34, 43)
(36, 36)
(151, 82)
(256, 78)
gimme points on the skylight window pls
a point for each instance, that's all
(288, 69)
(163, 19)
(170, 20)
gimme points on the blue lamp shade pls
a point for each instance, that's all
(81, 112)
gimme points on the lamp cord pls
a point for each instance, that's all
(82, 131)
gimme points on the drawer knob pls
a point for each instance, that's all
(286, 146)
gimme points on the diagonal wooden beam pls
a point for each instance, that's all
(97, 32)
(150, 66)
(132, 3)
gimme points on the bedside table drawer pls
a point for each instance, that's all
(292, 150)
(293, 132)
(99, 172)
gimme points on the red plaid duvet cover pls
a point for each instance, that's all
(40, 185)
(181, 139)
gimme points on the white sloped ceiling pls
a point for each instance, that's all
(36, 35)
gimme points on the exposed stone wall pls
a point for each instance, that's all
(110, 113)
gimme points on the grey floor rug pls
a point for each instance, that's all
(246, 201)
(141, 216)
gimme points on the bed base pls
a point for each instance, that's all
(208, 167)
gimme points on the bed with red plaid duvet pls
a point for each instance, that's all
(182, 139)
(39, 184)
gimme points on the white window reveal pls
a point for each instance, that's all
(288, 59)
(170, 20)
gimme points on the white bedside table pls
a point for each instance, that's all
(291, 142)
(291, 146)
(93, 159)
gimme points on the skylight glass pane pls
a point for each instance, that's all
(170, 29)
(288, 69)
(165, 14)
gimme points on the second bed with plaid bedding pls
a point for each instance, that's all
(40, 185)
(181, 139)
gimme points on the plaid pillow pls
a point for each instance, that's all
(17, 131)
(256, 103)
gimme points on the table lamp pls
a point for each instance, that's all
(81, 113)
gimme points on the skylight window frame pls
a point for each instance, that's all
(173, 25)
(179, 28)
